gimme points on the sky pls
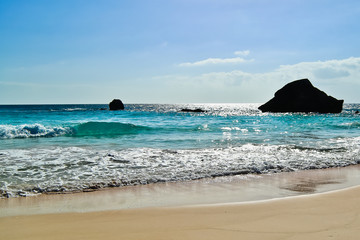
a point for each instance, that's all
(175, 51)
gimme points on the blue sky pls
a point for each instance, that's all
(175, 51)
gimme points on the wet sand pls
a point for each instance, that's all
(231, 189)
(228, 208)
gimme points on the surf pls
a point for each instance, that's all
(87, 129)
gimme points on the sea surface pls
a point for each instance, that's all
(70, 148)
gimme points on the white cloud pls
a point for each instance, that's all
(213, 61)
(242, 53)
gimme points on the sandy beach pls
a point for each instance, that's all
(327, 215)
(332, 215)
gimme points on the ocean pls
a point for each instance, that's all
(72, 148)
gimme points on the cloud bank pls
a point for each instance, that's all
(340, 78)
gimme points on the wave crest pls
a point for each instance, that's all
(31, 130)
(88, 129)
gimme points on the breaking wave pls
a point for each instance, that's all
(31, 130)
(96, 129)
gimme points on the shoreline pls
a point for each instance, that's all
(329, 215)
(205, 192)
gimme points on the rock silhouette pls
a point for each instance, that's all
(116, 104)
(302, 96)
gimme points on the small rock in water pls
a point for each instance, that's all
(21, 194)
(198, 110)
(116, 104)
(5, 194)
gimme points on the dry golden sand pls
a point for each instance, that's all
(333, 215)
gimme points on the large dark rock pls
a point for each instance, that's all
(302, 96)
(116, 104)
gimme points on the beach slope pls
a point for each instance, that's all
(333, 215)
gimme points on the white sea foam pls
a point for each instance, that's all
(76, 169)
(234, 129)
(351, 125)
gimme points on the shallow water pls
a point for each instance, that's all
(64, 148)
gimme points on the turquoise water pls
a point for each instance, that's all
(65, 148)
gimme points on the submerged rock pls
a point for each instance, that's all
(198, 110)
(302, 96)
(116, 104)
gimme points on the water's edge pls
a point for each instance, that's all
(220, 190)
